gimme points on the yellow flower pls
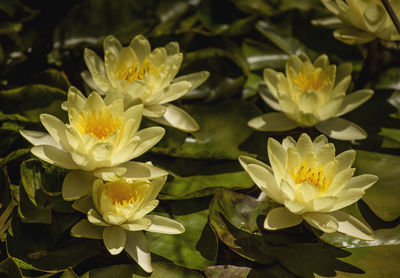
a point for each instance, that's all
(117, 214)
(311, 94)
(139, 75)
(312, 184)
(97, 136)
(360, 21)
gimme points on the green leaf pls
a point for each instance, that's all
(389, 79)
(15, 155)
(391, 137)
(9, 269)
(24, 100)
(125, 18)
(221, 132)
(69, 274)
(31, 178)
(232, 271)
(160, 270)
(204, 185)
(373, 261)
(260, 55)
(49, 248)
(309, 260)
(382, 197)
(196, 248)
(237, 219)
(53, 78)
(286, 42)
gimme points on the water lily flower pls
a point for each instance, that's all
(117, 213)
(139, 75)
(360, 21)
(97, 136)
(312, 184)
(311, 94)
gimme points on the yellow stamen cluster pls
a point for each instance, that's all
(308, 174)
(100, 124)
(313, 80)
(136, 72)
(122, 193)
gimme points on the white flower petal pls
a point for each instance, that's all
(363, 182)
(269, 98)
(56, 129)
(148, 138)
(164, 225)
(295, 207)
(77, 184)
(54, 156)
(247, 160)
(83, 204)
(351, 226)
(137, 247)
(141, 46)
(177, 118)
(352, 36)
(341, 129)
(321, 221)
(264, 180)
(95, 218)
(114, 239)
(136, 171)
(353, 100)
(270, 78)
(110, 173)
(155, 110)
(137, 225)
(274, 121)
(195, 79)
(304, 145)
(87, 230)
(97, 69)
(347, 197)
(346, 159)
(281, 218)
(38, 138)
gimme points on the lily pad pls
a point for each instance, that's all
(232, 271)
(9, 269)
(374, 261)
(49, 248)
(24, 100)
(385, 166)
(223, 127)
(237, 219)
(160, 270)
(204, 185)
(196, 248)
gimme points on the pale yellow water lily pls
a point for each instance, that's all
(117, 213)
(97, 136)
(360, 21)
(139, 75)
(311, 94)
(312, 184)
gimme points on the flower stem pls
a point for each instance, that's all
(392, 14)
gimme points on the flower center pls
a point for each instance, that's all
(313, 80)
(308, 174)
(136, 72)
(100, 124)
(122, 193)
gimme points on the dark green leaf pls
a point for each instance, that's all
(387, 188)
(223, 127)
(196, 248)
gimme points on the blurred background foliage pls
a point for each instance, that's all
(41, 55)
